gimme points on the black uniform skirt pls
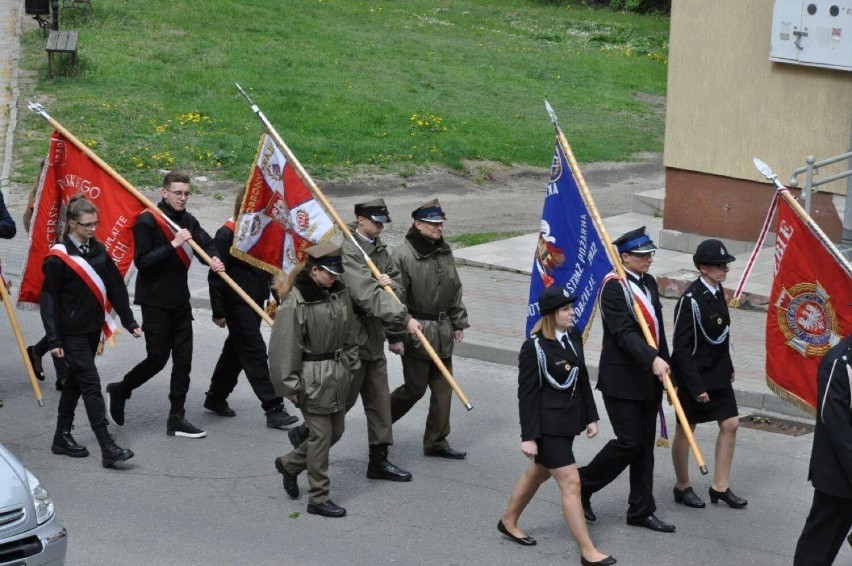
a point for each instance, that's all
(722, 405)
(555, 451)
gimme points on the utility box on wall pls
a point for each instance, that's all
(817, 33)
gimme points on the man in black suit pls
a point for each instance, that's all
(630, 378)
(831, 462)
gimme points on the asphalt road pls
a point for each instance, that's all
(219, 500)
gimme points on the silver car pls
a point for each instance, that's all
(29, 531)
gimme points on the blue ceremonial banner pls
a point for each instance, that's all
(569, 252)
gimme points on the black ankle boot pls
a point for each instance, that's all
(111, 453)
(64, 443)
(380, 469)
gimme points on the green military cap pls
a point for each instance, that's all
(326, 255)
(376, 210)
(429, 212)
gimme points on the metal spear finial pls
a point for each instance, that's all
(550, 111)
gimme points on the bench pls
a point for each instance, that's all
(61, 42)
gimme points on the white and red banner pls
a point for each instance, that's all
(810, 309)
(67, 173)
(279, 217)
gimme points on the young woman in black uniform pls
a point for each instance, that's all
(73, 315)
(702, 366)
(556, 404)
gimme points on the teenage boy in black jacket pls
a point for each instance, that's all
(162, 259)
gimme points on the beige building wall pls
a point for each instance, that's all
(727, 102)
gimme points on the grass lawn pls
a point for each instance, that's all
(350, 85)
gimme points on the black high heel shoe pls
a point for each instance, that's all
(606, 561)
(525, 541)
(728, 497)
(688, 497)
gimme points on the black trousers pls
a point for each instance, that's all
(634, 425)
(82, 380)
(168, 332)
(244, 350)
(827, 525)
(59, 364)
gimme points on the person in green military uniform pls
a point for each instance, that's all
(313, 352)
(376, 310)
(432, 291)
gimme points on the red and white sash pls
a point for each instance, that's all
(93, 281)
(642, 300)
(184, 252)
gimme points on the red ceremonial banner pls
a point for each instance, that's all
(810, 309)
(67, 173)
(279, 217)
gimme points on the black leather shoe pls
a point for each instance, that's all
(448, 453)
(651, 522)
(326, 509)
(380, 469)
(525, 541)
(688, 497)
(587, 510)
(35, 361)
(607, 561)
(218, 406)
(64, 443)
(111, 453)
(291, 486)
(728, 497)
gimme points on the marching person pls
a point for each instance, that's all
(702, 366)
(313, 352)
(37, 351)
(630, 377)
(556, 404)
(432, 292)
(830, 469)
(376, 310)
(162, 258)
(7, 232)
(80, 278)
(244, 348)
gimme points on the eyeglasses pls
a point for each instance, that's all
(181, 194)
(91, 225)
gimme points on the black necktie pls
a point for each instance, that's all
(641, 282)
(85, 249)
(565, 342)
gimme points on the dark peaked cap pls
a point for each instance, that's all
(327, 256)
(635, 242)
(712, 252)
(375, 210)
(429, 211)
(553, 298)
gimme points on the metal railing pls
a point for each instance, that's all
(812, 168)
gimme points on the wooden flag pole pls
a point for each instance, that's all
(616, 262)
(16, 329)
(39, 109)
(348, 233)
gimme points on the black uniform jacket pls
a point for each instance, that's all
(162, 278)
(68, 305)
(831, 458)
(545, 409)
(626, 358)
(254, 281)
(710, 368)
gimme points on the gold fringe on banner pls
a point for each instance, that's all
(790, 398)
